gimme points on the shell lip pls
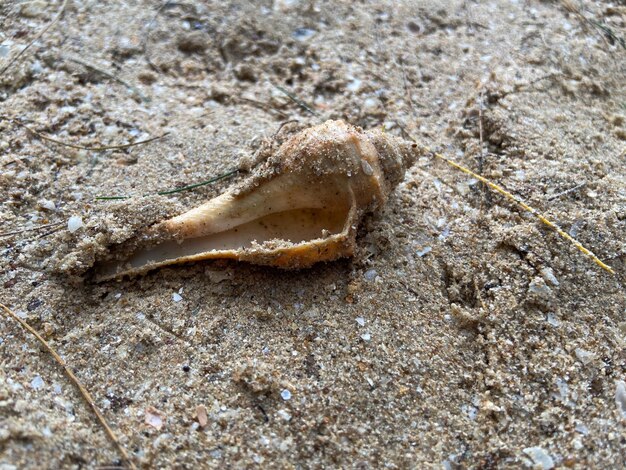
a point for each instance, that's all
(290, 255)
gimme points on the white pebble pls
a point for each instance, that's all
(370, 104)
(553, 320)
(37, 383)
(360, 321)
(424, 252)
(286, 395)
(584, 356)
(549, 276)
(538, 286)
(354, 85)
(176, 297)
(284, 415)
(74, 223)
(367, 168)
(370, 274)
(366, 337)
(540, 457)
(582, 429)
(302, 34)
(47, 204)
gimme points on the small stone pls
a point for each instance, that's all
(553, 320)
(176, 297)
(549, 276)
(354, 86)
(201, 414)
(584, 356)
(367, 168)
(540, 457)
(424, 251)
(284, 415)
(360, 321)
(303, 34)
(366, 337)
(370, 104)
(37, 383)
(74, 223)
(539, 288)
(47, 204)
(33, 9)
(286, 395)
(154, 418)
(370, 274)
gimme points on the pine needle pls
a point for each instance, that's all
(82, 147)
(174, 191)
(499, 189)
(83, 391)
(527, 208)
(297, 100)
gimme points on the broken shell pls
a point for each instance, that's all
(301, 206)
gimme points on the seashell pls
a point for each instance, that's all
(301, 206)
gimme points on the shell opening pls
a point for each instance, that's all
(270, 233)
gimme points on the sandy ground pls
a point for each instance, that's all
(462, 334)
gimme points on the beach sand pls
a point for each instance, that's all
(462, 334)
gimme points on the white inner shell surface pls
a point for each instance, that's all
(225, 226)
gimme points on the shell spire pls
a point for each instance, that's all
(300, 207)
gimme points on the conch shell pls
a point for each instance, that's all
(299, 207)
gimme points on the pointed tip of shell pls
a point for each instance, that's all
(396, 156)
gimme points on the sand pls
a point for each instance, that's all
(463, 333)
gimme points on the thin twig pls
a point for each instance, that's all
(297, 100)
(283, 124)
(264, 106)
(499, 189)
(17, 232)
(173, 191)
(567, 191)
(527, 208)
(83, 391)
(132, 88)
(82, 147)
(36, 38)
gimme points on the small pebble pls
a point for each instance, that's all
(582, 429)
(201, 414)
(370, 104)
(584, 356)
(367, 168)
(37, 383)
(354, 85)
(176, 297)
(538, 287)
(154, 418)
(370, 274)
(302, 34)
(549, 276)
(360, 321)
(553, 320)
(286, 395)
(424, 251)
(366, 337)
(540, 457)
(74, 223)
